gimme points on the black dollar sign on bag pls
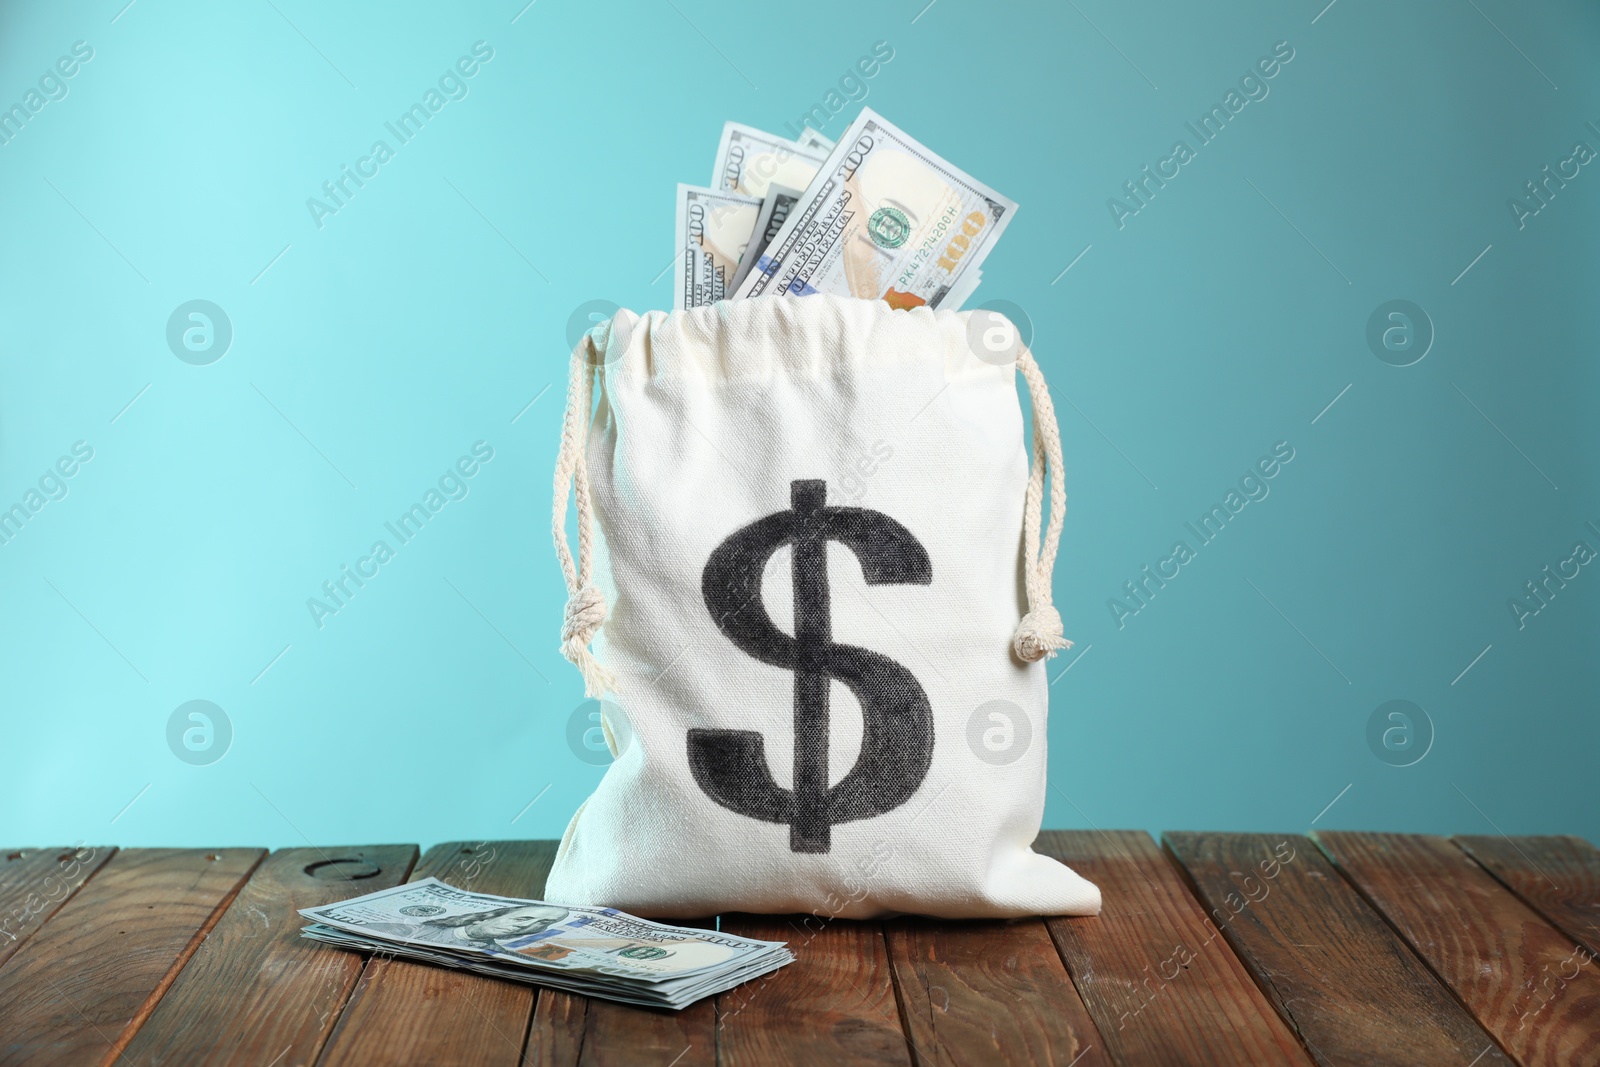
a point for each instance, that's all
(897, 734)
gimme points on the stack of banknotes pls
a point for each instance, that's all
(875, 215)
(599, 952)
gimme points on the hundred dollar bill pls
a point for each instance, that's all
(673, 994)
(810, 138)
(774, 211)
(597, 951)
(748, 160)
(713, 227)
(886, 218)
(962, 291)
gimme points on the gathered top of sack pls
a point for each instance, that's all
(783, 336)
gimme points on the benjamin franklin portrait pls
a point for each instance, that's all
(478, 928)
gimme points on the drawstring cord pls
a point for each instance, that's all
(1040, 635)
(586, 606)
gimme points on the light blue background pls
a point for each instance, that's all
(425, 316)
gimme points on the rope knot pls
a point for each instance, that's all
(586, 613)
(1039, 635)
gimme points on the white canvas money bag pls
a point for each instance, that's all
(818, 602)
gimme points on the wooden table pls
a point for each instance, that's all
(1354, 948)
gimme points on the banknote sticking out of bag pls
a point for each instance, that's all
(599, 952)
(877, 215)
(812, 585)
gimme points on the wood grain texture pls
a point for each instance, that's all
(35, 882)
(1525, 981)
(81, 986)
(570, 1030)
(1158, 978)
(1332, 967)
(416, 1013)
(255, 991)
(1559, 876)
(835, 1004)
(989, 992)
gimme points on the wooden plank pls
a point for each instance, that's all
(989, 992)
(408, 1013)
(1158, 978)
(570, 1029)
(1559, 876)
(81, 986)
(1331, 966)
(35, 882)
(1535, 991)
(255, 991)
(833, 1005)
(576, 1031)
